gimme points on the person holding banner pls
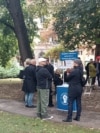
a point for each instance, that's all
(75, 90)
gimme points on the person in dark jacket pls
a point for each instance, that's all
(29, 83)
(26, 63)
(57, 79)
(50, 68)
(75, 91)
(44, 79)
(68, 70)
(98, 71)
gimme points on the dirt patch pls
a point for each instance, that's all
(13, 91)
(92, 102)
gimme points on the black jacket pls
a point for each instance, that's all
(50, 69)
(44, 78)
(74, 80)
(57, 79)
(29, 83)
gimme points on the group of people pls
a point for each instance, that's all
(39, 78)
(93, 71)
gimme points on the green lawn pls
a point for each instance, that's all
(12, 123)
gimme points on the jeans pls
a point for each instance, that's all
(29, 99)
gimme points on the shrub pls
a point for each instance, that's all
(9, 72)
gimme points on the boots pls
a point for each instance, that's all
(76, 118)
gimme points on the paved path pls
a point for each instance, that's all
(88, 119)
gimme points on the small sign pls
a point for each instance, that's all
(68, 56)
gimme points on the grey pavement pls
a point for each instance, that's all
(89, 119)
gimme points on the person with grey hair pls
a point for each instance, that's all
(29, 83)
(75, 90)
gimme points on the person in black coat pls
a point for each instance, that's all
(98, 71)
(26, 63)
(57, 79)
(75, 90)
(50, 68)
(29, 83)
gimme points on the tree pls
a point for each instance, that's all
(10, 28)
(7, 50)
(15, 11)
(54, 53)
(79, 22)
(12, 24)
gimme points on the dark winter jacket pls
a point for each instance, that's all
(74, 80)
(50, 69)
(29, 83)
(57, 80)
(44, 78)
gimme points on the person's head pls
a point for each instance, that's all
(91, 60)
(27, 62)
(68, 70)
(42, 61)
(33, 62)
(77, 62)
(57, 71)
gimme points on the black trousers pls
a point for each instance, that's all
(93, 81)
(78, 106)
(50, 97)
(98, 79)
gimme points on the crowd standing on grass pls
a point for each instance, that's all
(40, 78)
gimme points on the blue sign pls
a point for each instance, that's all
(62, 99)
(68, 56)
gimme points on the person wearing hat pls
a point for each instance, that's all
(44, 79)
(75, 90)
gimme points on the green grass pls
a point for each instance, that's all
(12, 123)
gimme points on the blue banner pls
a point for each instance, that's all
(68, 56)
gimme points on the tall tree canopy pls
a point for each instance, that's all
(16, 24)
(79, 22)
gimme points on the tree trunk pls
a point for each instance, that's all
(97, 50)
(15, 10)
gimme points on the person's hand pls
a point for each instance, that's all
(68, 73)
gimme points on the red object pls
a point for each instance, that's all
(98, 57)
